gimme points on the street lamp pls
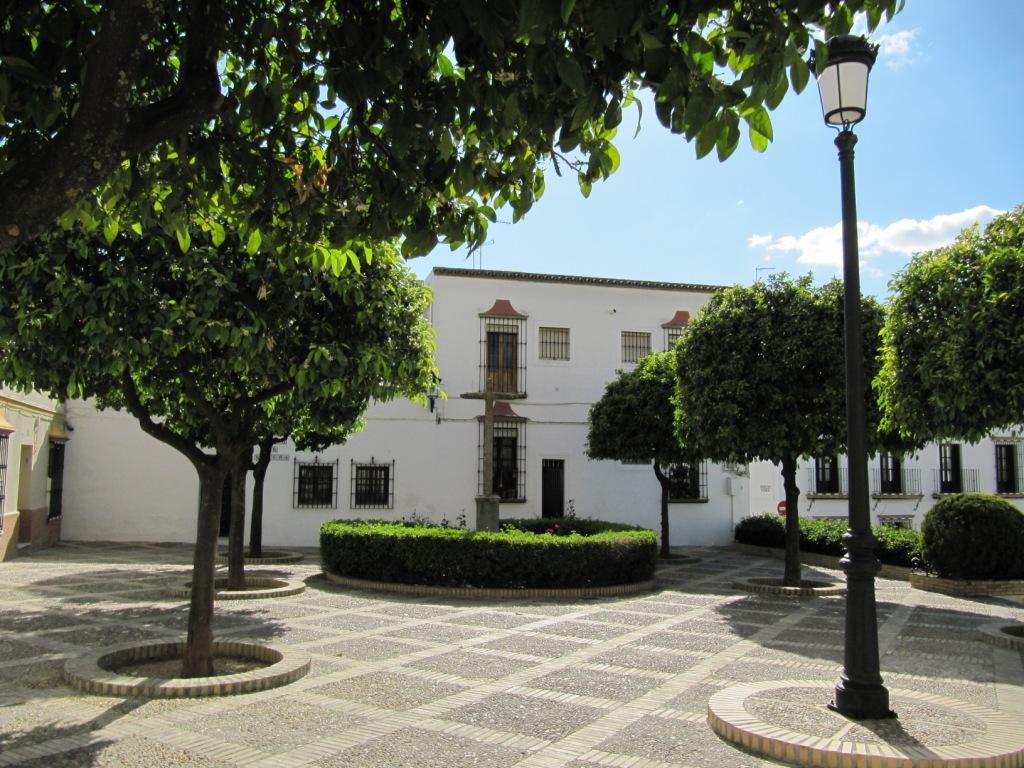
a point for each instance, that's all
(843, 85)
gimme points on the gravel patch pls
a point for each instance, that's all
(532, 645)
(352, 622)
(16, 621)
(695, 699)
(685, 641)
(625, 617)
(171, 668)
(601, 685)
(424, 749)
(751, 671)
(493, 619)
(16, 649)
(678, 741)
(939, 666)
(539, 718)
(584, 630)
(36, 675)
(475, 666)
(643, 658)
(273, 725)
(108, 634)
(388, 690)
(437, 633)
(370, 648)
(132, 752)
(985, 695)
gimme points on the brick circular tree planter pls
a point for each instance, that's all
(966, 587)
(1004, 633)
(269, 557)
(807, 588)
(97, 672)
(257, 588)
(787, 720)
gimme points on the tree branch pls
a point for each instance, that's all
(156, 429)
(105, 129)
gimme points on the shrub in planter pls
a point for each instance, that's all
(417, 554)
(896, 546)
(974, 536)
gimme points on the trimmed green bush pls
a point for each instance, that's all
(896, 546)
(607, 554)
(974, 536)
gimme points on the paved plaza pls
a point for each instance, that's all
(428, 681)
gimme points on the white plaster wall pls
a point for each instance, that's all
(120, 484)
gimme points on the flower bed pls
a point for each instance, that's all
(591, 554)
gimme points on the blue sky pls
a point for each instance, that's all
(940, 148)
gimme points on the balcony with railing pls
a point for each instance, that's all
(891, 482)
(959, 480)
(832, 482)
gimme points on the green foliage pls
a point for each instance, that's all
(512, 558)
(376, 120)
(954, 339)
(762, 376)
(974, 536)
(633, 419)
(564, 526)
(896, 546)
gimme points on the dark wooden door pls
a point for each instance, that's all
(552, 488)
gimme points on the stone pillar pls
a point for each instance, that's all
(487, 513)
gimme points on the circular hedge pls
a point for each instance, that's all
(974, 536)
(575, 553)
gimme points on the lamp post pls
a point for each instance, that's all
(843, 86)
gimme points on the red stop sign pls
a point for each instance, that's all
(781, 507)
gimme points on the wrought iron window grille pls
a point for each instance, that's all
(55, 471)
(502, 354)
(3, 476)
(508, 480)
(635, 346)
(372, 485)
(314, 484)
(553, 343)
(688, 481)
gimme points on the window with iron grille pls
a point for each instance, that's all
(688, 481)
(950, 475)
(554, 343)
(315, 485)
(635, 345)
(56, 474)
(502, 354)
(508, 470)
(1009, 467)
(826, 475)
(672, 335)
(3, 476)
(373, 485)
(890, 474)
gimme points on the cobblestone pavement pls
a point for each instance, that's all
(433, 682)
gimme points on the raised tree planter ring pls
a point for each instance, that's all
(965, 587)
(95, 673)
(269, 557)
(257, 588)
(1004, 633)
(486, 593)
(807, 588)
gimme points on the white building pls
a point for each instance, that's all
(556, 341)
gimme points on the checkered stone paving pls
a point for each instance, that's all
(426, 682)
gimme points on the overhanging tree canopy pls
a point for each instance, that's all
(953, 343)
(414, 119)
(761, 377)
(633, 422)
(199, 346)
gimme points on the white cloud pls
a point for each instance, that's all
(823, 246)
(898, 48)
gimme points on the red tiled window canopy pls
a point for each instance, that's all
(679, 319)
(503, 308)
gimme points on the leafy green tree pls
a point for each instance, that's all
(762, 377)
(414, 119)
(953, 342)
(198, 345)
(633, 422)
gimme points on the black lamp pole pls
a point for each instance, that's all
(859, 692)
(843, 85)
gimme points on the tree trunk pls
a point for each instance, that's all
(791, 576)
(236, 535)
(259, 474)
(663, 481)
(198, 656)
